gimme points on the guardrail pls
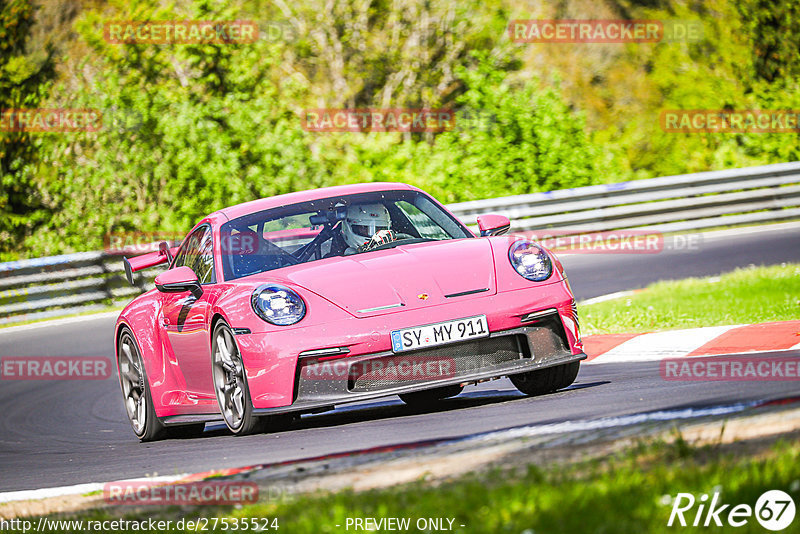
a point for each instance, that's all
(667, 204)
(60, 285)
(72, 283)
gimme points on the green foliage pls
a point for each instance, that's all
(24, 76)
(746, 59)
(192, 128)
(523, 139)
(203, 127)
(775, 29)
(209, 126)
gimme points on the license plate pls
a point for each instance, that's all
(439, 333)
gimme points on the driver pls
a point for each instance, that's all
(366, 226)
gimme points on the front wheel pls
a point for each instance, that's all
(136, 390)
(230, 383)
(546, 380)
(427, 396)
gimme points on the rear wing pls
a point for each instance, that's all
(164, 254)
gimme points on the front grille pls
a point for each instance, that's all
(436, 363)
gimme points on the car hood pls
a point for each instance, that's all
(402, 278)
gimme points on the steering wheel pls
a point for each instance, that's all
(402, 239)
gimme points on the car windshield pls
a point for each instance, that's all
(336, 226)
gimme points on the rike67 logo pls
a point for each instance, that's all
(774, 510)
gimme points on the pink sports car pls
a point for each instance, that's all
(296, 303)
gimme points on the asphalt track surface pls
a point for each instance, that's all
(56, 433)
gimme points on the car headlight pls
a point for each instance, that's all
(530, 261)
(278, 305)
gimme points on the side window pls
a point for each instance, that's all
(423, 224)
(198, 254)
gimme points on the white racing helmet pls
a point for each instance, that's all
(362, 222)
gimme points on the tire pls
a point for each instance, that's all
(230, 383)
(428, 396)
(138, 400)
(136, 390)
(546, 380)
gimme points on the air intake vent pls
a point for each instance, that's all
(436, 363)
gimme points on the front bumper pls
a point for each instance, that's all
(280, 380)
(324, 383)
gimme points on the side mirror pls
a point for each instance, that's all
(178, 280)
(493, 224)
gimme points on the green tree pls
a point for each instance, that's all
(774, 28)
(208, 128)
(24, 76)
(524, 139)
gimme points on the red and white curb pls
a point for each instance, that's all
(706, 341)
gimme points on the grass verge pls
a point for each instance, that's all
(744, 296)
(632, 491)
